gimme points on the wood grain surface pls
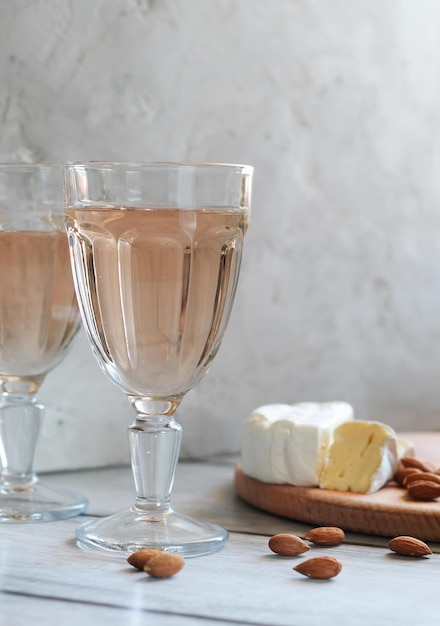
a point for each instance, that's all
(388, 512)
(46, 579)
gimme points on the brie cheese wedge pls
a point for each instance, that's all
(362, 458)
(283, 443)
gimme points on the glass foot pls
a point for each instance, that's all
(38, 502)
(132, 530)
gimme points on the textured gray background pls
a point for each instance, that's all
(336, 103)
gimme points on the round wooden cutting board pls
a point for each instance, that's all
(388, 512)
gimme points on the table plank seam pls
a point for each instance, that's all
(211, 618)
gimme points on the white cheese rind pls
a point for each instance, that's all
(257, 459)
(288, 444)
(405, 447)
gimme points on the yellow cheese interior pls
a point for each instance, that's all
(355, 456)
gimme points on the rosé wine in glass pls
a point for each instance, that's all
(156, 251)
(38, 320)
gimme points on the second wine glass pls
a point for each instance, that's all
(156, 251)
(38, 320)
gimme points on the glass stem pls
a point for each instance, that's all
(154, 447)
(20, 423)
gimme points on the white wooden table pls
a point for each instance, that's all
(45, 578)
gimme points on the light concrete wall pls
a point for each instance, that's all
(337, 105)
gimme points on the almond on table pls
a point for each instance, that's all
(141, 557)
(164, 565)
(326, 535)
(320, 567)
(286, 544)
(409, 546)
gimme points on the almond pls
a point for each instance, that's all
(326, 535)
(322, 567)
(164, 565)
(424, 489)
(403, 472)
(140, 558)
(286, 544)
(409, 461)
(419, 475)
(409, 546)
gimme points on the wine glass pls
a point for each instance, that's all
(38, 321)
(156, 251)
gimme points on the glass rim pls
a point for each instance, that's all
(30, 166)
(245, 169)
